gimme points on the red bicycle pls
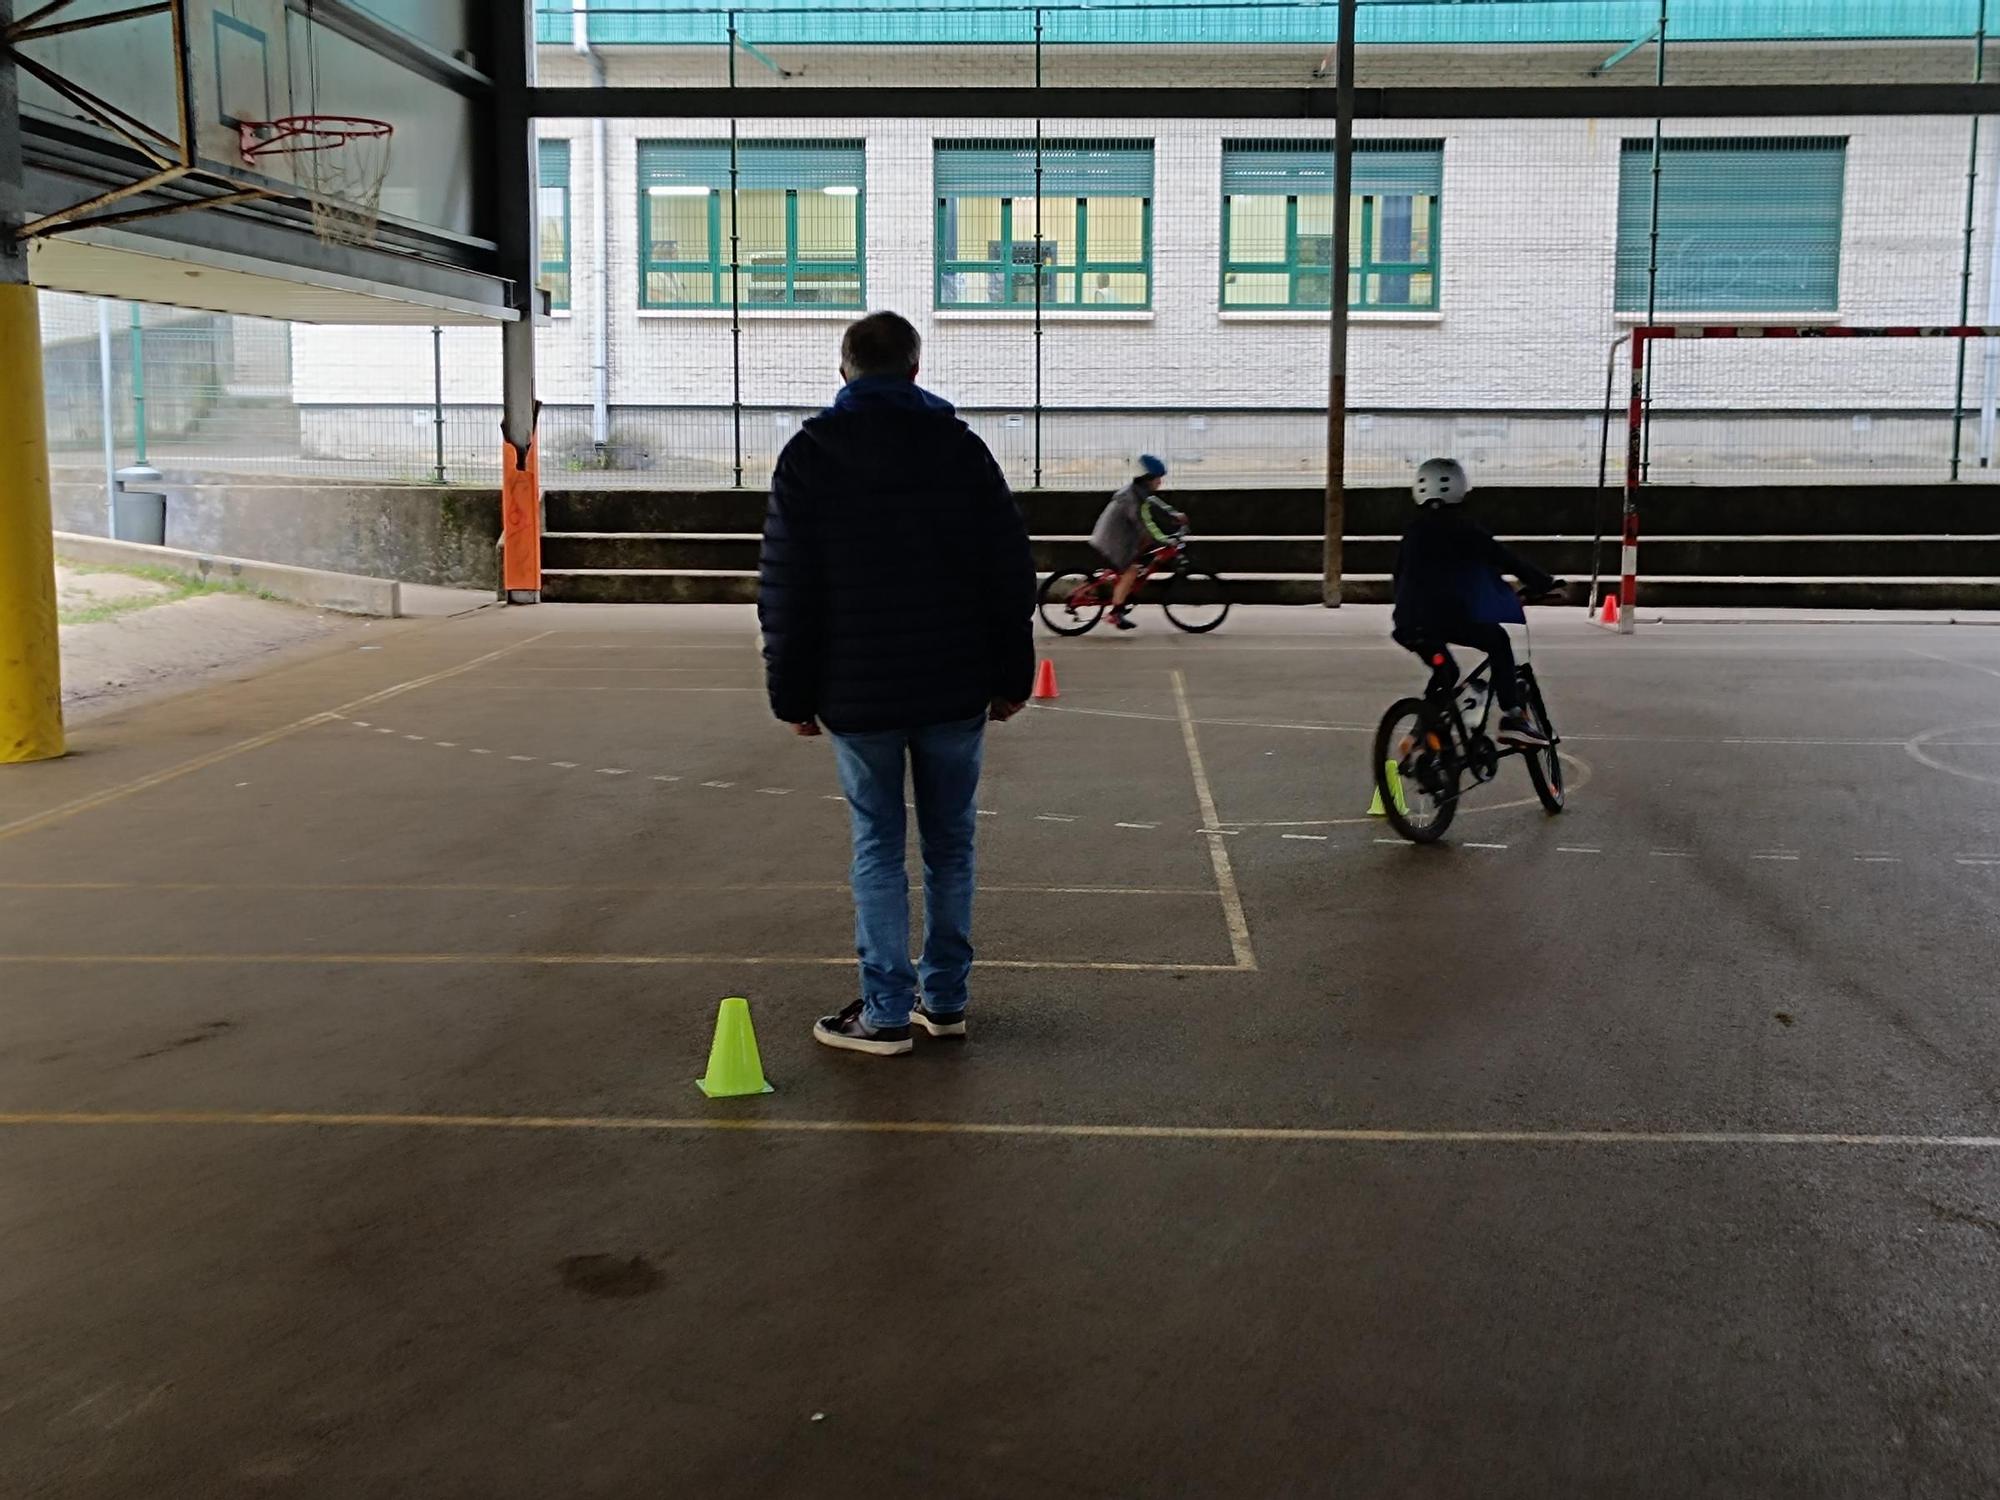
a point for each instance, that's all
(1073, 601)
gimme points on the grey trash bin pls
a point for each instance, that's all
(139, 505)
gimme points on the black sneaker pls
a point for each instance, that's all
(848, 1030)
(948, 1025)
(1122, 618)
(1517, 730)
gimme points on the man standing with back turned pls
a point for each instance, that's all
(896, 598)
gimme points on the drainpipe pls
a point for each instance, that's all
(600, 313)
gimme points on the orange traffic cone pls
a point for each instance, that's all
(1609, 614)
(1045, 680)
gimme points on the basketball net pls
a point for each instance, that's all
(341, 163)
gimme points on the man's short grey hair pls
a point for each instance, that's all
(882, 343)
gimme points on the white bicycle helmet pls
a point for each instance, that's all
(1440, 481)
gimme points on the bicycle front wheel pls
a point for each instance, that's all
(1416, 774)
(1545, 767)
(1070, 603)
(1195, 602)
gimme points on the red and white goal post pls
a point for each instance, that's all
(1635, 421)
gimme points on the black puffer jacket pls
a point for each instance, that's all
(896, 589)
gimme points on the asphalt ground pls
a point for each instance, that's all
(349, 1145)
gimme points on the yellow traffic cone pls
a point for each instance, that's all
(1394, 777)
(734, 1068)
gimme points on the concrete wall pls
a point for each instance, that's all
(410, 534)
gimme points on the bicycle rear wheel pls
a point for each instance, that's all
(1068, 604)
(1195, 602)
(1545, 767)
(1416, 773)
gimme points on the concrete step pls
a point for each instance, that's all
(688, 586)
(1706, 557)
(1665, 510)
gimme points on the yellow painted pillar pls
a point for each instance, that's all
(30, 660)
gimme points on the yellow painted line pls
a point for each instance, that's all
(1272, 1134)
(1218, 845)
(573, 960)
(255, 742)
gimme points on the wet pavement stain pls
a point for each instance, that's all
(208, 1032)
(609, 1275)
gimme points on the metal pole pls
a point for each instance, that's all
(735, 277)
(138, 386)
(600, 279)
(104, 384)
(511, 214)
(1635, 422)
(1603, 468)
(437, 400)
(1332, 555)
(1965, 264)
(1038, 259)
(31, 726)
(1653, 233)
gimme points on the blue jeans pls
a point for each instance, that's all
(944, 763)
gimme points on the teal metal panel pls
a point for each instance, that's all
(552, 163)
(1307, 166)
(804, 165)
(1745, 225)
(1383, 22)
(1082, 169)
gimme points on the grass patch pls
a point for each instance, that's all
(178, 586)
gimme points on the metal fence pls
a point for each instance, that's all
(1089, 288)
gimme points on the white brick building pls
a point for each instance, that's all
(1498, 354)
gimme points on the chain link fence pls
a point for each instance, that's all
(1090, 288)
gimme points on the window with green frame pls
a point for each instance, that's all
(1088, 239)
(1277, 225)
(1746, 225)
(794, 214)
(552, 179)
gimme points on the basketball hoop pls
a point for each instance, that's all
(341, 162)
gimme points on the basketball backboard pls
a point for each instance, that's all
(162, 98)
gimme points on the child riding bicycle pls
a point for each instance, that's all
(1450, 592)
(1135, 523)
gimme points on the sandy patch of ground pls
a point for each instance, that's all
(128, 636)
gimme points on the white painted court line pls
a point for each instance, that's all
(612, 771)
(1052, 818)
(1222, 833)
(666, 778)
(1398, 842)
(359, 723)
(445, 744)
(1671, 853)
(1469, 846)
(1135, 825)
(1218, 848)
(1980, 863)
(1311, 838)
(566, 765)
(719, 784)
(1576, 849)
(1037, 1129)
(774, 791)
(1877, 859)
(255, 742)
(412, 736)
(521, 757)
(385, 731)
(477, 751)
(1778, 856)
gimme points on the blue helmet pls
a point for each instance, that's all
(1151, 467)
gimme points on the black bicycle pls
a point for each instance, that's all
(1072, 601)
(1427, 747)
